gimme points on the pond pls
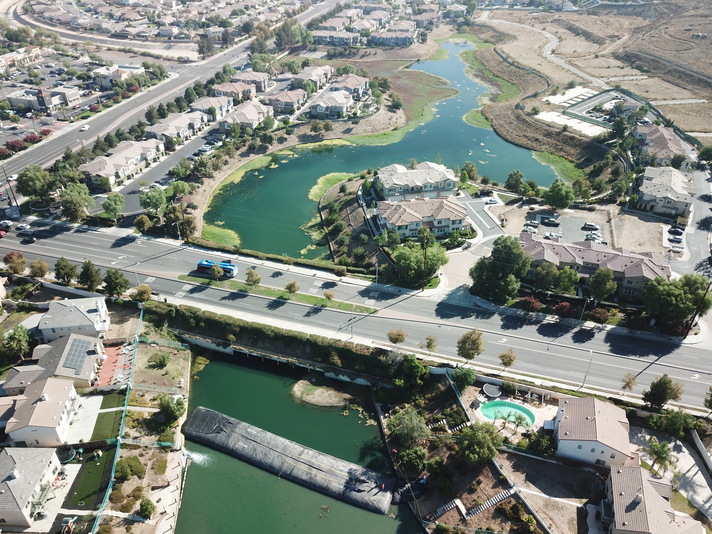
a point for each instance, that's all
(269, 207)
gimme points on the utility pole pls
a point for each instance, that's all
(9, 187)
(697, 309)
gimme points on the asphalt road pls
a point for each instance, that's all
(544, 349)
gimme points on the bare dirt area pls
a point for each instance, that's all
(694, 117)
(150, 373)
(606, 68)
(555, 491)
(124, 321)
(316, 390)
(657, 89)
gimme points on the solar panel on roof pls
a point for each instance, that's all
(77, 354)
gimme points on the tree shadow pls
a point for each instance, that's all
(314, 310)
(235, 295)
(631, 345)
(514, 322)
(202, 286)
(583, 335)
(554, 330)
(328, 285)
(705, 197)
(705, 223)
(445, 310)
(368, 293)
(277, 274)
(276, 304)
(123, 241)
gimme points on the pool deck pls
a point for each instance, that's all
(542, 411)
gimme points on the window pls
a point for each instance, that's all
(600, 462)
(613, 456)
(593, 449)
(579, 447)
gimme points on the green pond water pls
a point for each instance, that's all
(269, 206)
(225, 495)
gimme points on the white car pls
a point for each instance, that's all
(530, 230)
(23, 227)
(84, 128)
(491, 201)
(5, 224)
(12, 178)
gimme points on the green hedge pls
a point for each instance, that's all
(351, 356)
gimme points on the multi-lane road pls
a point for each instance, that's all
(545, 349)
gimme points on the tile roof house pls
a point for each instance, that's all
(248, 114)
(125, 160)
(43, 418)
(107, 75)
(318, 75)
(334, 24)
(26, 477)
(356, 85)
(332, 105)
(237, 90)
(392, 38)
(335, 38)
(631, 270)
(258, 79)
(636, 503)
(74, 357)
(287, 101)
(442, 215)
(221, 104)
(86, 316)
(663, 143)
(663, 191)
(591, 431)
(178, 125)
(427, 179)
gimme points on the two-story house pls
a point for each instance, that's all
(235, 90)
(85, 316)
(215, 107)
(259, 79)
(125, 160)
(426, 179)
(319, 76)
(663, 143)
(287, 102)
(333, 105)
(441, 215)
(357, 86)
(664, 191)
(248, 115)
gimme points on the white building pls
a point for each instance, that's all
(426, 180)
(591, 431)
(43, 418)
(87, 316)
(26, 477)
(442, 216)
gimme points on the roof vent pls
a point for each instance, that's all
(620, 471)
(638, 497)
(622, 493)
(625, 523)
(44, 396)
(14, 475)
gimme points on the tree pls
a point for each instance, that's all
(662, 391)
(545, 276)
(396, 336)
(559, 195)
(660, 453)
(470, 344)
(567, 281)
(329, 296)
(115, 283)
(162, 110)
(479, 443)
(601, 284)
(216, 272)
(507, 358)
(76, 201)
(64, 271)
(414, 264)
(113, 205)
(38, 269)
(142, 293)
(89, 276)
(146, 508)
(153, 200)
(143, 223)
(17, 342)
(15, 262)
(498, 276)
(463, 377)
(677, 161)
(708, 399)
(35, 181)
(706, 153)
(628, 382)
(514, 181)
(408, 427)
(291, 287)
(252, 279)
(413, 459)
(152, 116)
(677, 300)
(430, 343)
(171, 409)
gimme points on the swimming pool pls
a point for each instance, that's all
(506, 410)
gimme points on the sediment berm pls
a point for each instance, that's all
(321, 472)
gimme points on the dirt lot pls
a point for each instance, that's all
(635, 233)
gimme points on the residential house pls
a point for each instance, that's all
(363, 25)
(663, 143)
(456, 11)
(235, 90)
(319, 76)
(259, 79)
(178, 125)
(631, 270)
(287, 102)
(663, 191)
(333, 105)
(125, 160)
(368, 7)
(107, 75)
(392, 38)
(222, 105)
(426, 20)
(86, 316)
(334, 24)
(427, 180)
(43, 418)
(381, 18)
(637, 503)
(352, 14)
(356, 85)
(247, 115)
(335, 38)
(74, 357)
(592, 431)
(26, 478)
(441, 215)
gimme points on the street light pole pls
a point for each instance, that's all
(589, 299)
(136, 274)
(588, 368)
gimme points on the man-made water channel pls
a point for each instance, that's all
(225, 495)
(269, 206)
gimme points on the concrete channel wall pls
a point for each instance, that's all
(315, 470)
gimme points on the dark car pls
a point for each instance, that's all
(675, 239)
(675, 231)
(548, 221)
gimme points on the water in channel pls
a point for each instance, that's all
(225, 495)
(269, 206)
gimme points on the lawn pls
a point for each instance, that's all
(107, 425)
(326, 182)
(88, 489)
(301, 298)
(681, 504)
(564, 169)
(476, 118)
(113, 400)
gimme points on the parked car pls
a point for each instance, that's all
(5, 225)
(549, 221)
(23, 228)
(595, 235)
(3, 233)
(530, 229)
(590, 226)
(675, 239)
(553, 235)
(533, 224)
(491, 201)
(675, 231)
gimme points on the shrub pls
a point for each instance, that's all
(565, 310)
(599, 315)
(105, 528)
(128, 467)
(117, 495)
(146, 508)
(128, 506)
(530, 303)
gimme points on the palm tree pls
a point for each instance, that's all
(519, 420)
(660, 453)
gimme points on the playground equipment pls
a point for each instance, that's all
(68, 524)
